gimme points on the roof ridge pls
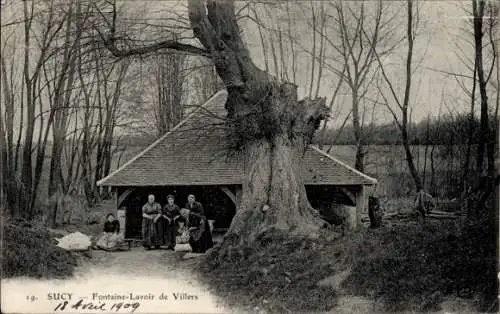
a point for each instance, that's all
(222, 92)
(375, 181)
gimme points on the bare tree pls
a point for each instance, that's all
(484, 21)
(331, 105)
(169, 81)
(427, 140)
(10, 184)
(102, 86)
(403, 105)
(479, 14)
(479, 34)
(433, 183)
(357, 54)
(205, 81)
(487, 135)
(42, 23)
(111, 83)
(55, 102)
(60, 92)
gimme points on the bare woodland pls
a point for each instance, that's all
(78, 76)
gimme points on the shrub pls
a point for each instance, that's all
(280, 276)
(31, 252)
(415, 267)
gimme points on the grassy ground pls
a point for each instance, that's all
(405, 267)
(414, 267)
(31, 251)
(280, 277)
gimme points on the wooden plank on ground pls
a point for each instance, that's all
(440, 212)
(442, 216)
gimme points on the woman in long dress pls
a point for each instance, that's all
(169, 216)
(111, 236)
(200, 237)
(151, 226)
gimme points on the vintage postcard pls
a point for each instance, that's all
(220, 156)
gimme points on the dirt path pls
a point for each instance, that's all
(159, 272)
(160, 281)
(139, 262)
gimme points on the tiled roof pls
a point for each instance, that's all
(193, 153)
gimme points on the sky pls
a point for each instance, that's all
(440, 38)
(440, 42)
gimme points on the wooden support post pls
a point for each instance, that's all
(239, 193)
(115, 195)
(360, 204)
(121, 216)
(121, 208)
(351, 222)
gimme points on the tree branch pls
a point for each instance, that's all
(339, 132)
(110, 40)
(386, 103)
(167, 44)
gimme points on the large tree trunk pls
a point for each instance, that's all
(267, 124)
(274, 196)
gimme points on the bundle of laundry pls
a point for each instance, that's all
(75, 241)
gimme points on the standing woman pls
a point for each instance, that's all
(170, 214)
(151, 227)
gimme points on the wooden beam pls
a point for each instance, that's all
(230, 194)
(360, 204)
(349, 194)
(235, 197)
(123, 196)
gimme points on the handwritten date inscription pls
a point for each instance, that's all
(100, 306)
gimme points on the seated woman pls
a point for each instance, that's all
(200, 237)
(111, 236)
(170, 214)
